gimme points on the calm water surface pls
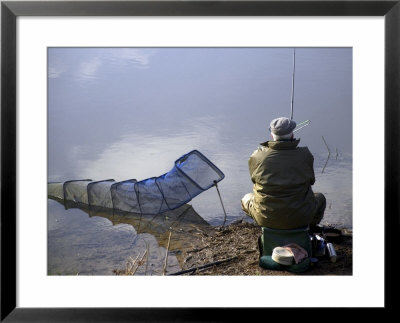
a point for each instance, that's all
(126, 113)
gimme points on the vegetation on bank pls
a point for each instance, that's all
(233, 250)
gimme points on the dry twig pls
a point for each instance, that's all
(166, 254)
(139, 262)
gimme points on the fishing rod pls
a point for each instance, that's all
(294, 69)
(304, 123)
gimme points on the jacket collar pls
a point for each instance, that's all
(283, 144)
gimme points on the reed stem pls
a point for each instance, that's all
(166, 254)
(139, 262)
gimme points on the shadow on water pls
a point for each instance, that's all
(173, 230)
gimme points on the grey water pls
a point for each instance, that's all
(125, 113)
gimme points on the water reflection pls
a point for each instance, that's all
(144, 234)
(146, 155)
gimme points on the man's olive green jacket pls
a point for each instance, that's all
(282, 174)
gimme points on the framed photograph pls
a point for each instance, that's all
(126, 132)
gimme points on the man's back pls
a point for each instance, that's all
(282, 174)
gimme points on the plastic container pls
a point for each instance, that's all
(282, 256)
(331, 252)
(319, 246)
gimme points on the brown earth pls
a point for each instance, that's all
(240, 240)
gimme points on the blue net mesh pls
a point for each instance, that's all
(192, 174)
(124, 197)
(197, 168)
(99, 193)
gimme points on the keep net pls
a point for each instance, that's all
(191, 175)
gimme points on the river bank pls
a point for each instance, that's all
(233, 250)
(240, 240)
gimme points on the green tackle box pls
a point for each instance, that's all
(271, 238)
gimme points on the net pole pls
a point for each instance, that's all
(223, 208)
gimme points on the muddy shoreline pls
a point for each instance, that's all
(236, 246)
(240, 240)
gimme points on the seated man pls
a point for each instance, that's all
(282, 174)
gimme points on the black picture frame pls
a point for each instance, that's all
(10, 10)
